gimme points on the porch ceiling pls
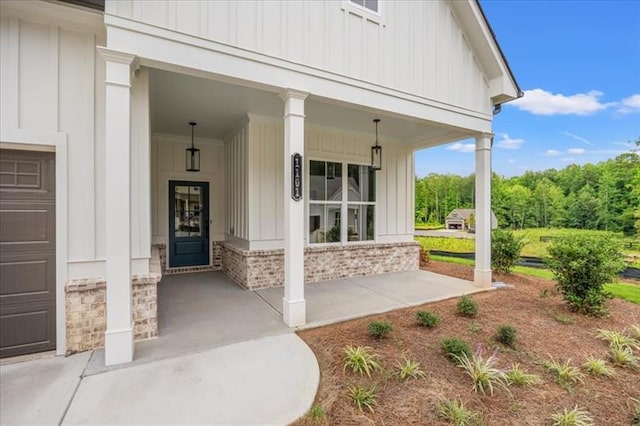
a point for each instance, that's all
(219, 108)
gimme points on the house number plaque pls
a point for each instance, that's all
(296, 177)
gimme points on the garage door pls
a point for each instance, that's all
(27, 252)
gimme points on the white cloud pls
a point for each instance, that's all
(576, 151)
(462, 147)
(509, 143)
(608, 151)
(541, 102)
(629, 105)
(552, 152)
(579, 138)
(511, 161)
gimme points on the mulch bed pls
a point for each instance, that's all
(545, 329)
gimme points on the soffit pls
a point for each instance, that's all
(220, 108)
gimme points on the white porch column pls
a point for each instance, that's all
(293, 303)
(119, 335)
(482, 272)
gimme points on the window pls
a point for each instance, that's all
(341, 202)
(367, 4)
(370, 10)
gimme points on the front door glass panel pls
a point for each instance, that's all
(188, 207)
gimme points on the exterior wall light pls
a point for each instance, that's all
(376, 151)
(193, 154)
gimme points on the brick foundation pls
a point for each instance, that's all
(253, 269)
(265, 268)
(332, 263)
(215, 260)
(86, 309)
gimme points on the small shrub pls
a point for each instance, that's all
(359, 360)
(616, 338)
(635, 412)
(582, 265)
(597, 367)
(408, 369)
(574, 417)
(635, 331)
(454, 347)
(622, 356)
(457, 413)
(362, 397)
(317, 415)
(475, 328)
(563, 319)
(505, 250)
(565, 373)
(428, 319)
(515, 376)
(506, 334)
(467, 307)
(379, 329)
(544, 293)
(482, 371)
(424, 257)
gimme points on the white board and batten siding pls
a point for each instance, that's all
(414, 47)
(52, 85)
(255, 181)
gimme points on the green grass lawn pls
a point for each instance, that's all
(630, 292)
(428, 226)
(620, 290)
(533, 247)
(537, 248)
(456, 245)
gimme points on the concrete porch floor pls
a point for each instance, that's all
(334, 301)
(208, 363)
(206, 310)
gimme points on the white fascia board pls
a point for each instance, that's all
(502, 89)
(62, 14)
(486, 50)
(453, 136)
(165, 49)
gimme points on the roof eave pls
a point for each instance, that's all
(519, 91)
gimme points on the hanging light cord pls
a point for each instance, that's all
(194, 125)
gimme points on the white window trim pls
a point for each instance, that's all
(344, 205)
(361, 11)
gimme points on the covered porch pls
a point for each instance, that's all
(245, 220)
(205, 310)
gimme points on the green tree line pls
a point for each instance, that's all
(603, 196)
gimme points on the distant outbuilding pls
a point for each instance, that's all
(464, 219)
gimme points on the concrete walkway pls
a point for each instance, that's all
(223, 356)
(272, 380)
(39, 391)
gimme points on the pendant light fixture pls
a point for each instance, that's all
(376, 151)
(193, 154)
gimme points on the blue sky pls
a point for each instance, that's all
(578, 63)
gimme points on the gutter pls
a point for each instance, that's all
(91, 4)
(498, 107)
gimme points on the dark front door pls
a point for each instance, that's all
(27, 252)
(188, 223)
